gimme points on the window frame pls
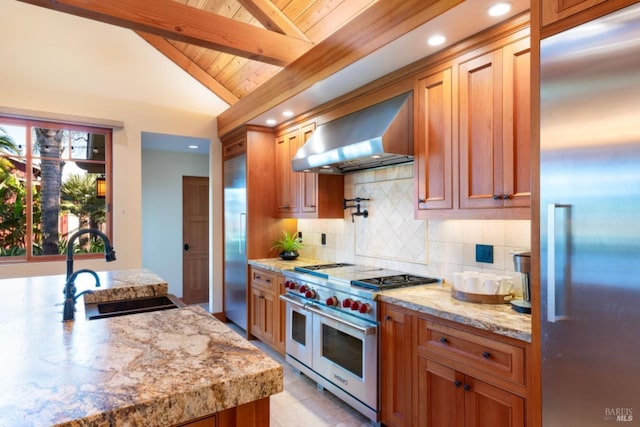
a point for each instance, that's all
(29, 157)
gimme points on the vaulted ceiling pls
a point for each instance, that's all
(255, 54)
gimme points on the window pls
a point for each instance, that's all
(49, 179)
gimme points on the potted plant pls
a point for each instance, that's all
(289, 245)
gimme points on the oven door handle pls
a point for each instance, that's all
(288, 299)
(364, 329)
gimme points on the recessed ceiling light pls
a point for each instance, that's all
(499, 9)
(287, 113)
(193, 147)
(271, 122)
(436, 40)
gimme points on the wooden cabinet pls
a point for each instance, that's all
(494, 128)
(559, 15)
(287, 182)
(252, 414)
(435, 373)
(483, 167)
(300, 194)
(433, 145)
(396, 344)
(266, 311)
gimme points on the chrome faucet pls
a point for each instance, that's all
(70, 296)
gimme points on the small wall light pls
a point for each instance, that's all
(101, 187)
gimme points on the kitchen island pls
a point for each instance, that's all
(160, 368)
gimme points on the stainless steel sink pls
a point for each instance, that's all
(102, 310)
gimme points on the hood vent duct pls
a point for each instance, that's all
(380, 135)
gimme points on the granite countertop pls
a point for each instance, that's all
(437, 301)
(277, 265)
(159, 368)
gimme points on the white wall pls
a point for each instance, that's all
(435, 248)
(162, 173)
(58, 63)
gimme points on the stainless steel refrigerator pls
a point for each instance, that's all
(590, 223)
(235, 239)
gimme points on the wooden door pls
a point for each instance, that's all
(286, 180)
(490, 406)
(396, 364)
(433, 150)
(195, 234)
(440, 395)
(309, 181)
(256, 312)
(481, 131)
(516, 134)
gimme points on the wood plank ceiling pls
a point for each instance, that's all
(238, 48)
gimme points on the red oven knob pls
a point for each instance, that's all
(355, 305)
(303, 289)
(364, 308)
(347, 303)
(289, 284)
(332, 301)
(310, 293)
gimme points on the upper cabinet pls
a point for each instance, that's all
(559, 15)
(472, 135)
(300, 194)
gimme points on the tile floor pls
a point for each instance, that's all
(301, 404)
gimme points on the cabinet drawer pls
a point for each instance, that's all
(476, 352)
(264, 279)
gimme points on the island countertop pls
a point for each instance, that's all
(160, 368)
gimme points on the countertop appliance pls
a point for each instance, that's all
(522, 264)
(332, 327)
(590, 228)
(235, 230)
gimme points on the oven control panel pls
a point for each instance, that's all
(346, 302)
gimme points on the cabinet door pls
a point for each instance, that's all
(489, 406)
(286, 180)
(516, 134)
(281, 316)
(257, 312)
(480, 131)
(309, 181)
(396, 355)
(432, 146)
(270, 319)
(440, 394)
(555, 10)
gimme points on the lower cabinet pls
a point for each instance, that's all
(436, 374)
(252, 414)
(266, 311)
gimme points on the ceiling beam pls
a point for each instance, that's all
(184, 62)
(380, 24)
(175, 21)
(272, 18)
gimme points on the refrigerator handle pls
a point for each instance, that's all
(243, 232)
(553, 305)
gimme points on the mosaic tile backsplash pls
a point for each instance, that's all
(391, 238)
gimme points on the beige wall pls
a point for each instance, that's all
(61, 64)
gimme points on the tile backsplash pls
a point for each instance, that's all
(391, 238)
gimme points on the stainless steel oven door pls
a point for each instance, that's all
(299, 339)
(346, 353)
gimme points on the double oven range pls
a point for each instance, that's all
(332, 327)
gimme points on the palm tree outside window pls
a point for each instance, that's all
(48, 175)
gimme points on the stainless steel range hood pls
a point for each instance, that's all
(376, 136)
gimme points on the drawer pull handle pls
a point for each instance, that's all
(387, 317)
(486, 354)
(443, 340)
(467, 387)
(457, 383)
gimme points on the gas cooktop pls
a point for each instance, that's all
(366, 277)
